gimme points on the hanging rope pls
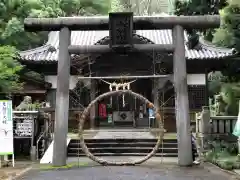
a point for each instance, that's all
(105, 162)
(162, 107)
(114, 83)
(118, 86)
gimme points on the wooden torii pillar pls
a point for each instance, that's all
(176, 23)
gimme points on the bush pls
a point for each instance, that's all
(228, 165)
(224, 155)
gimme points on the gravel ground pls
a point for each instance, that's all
(8, 172)
(164, 172)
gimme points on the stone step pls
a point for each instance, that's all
(123, 144)
(123, 147)
(123, 140)
(124, 150)
(123, 154)
(124, 135)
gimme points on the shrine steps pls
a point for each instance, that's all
(123, 147)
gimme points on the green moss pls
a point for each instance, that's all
(68, 166)
(228, 165)
(167, 135)
(236, 165)
(224, 161)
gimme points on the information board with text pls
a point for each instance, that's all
(6, 128)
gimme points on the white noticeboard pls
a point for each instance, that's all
(6, 129)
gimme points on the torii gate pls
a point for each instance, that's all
(122, 42)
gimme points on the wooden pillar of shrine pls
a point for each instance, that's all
(155, 95)
(93, 109)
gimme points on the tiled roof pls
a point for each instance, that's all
(49, 52)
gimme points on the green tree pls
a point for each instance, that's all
(228, 34)
(12, 34)
(140, 7)
(13, 13)
(200, 7)
(116, 6)
(9, 70)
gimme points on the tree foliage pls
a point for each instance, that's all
(200, 7)
(139, 7)
(13, 36)
(228, 34)
(9, 70)
(117, 6)
(13, 12)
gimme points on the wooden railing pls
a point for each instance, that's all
(211, 127)
(217, 124)
(222, 124)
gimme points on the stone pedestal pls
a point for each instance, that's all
(204, 129)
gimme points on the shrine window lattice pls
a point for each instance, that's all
(196, 94)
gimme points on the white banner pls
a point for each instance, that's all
(6, 128)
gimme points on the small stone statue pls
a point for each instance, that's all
(226, 103)
(228, 96)
(219, 105)
(25, 105)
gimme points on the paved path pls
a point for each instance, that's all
(151, 170)
(127, 173)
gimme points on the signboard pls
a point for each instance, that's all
(24, 128)
(121, 29)
(6, 128)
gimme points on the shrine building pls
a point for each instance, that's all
(127, 111)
